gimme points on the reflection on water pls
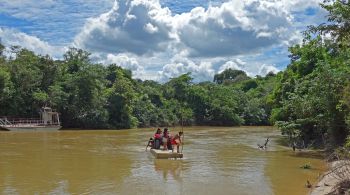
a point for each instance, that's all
(170, 169)
(217, 160)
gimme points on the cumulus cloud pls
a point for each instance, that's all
(235, 27)
(205, 70)
(202, 71)
(296, 5)
(236, 65)
(10, 37)
(231, 28)
(126, 62)
(265, 69)
(138, 26)
(252, 69)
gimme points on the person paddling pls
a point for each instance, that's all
(176, 140)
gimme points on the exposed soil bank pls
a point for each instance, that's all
(338, 171)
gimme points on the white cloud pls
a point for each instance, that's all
(192, 41)
(126, 62)
(10, 37)
(252, 69)
(238, 65)
(231, 28)
(235, 27)
(150, 28)
(203, 71)
(265, 69)
(297, 5)
(138, 26)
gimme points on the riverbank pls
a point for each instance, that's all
(329, 182)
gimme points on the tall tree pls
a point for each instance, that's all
(230, 76)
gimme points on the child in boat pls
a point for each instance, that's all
(176, 140)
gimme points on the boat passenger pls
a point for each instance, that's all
(157, 139)
(176, 140)
(165, 139)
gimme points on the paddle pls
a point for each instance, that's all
(183, 134)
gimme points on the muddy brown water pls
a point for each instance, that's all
(217, 160)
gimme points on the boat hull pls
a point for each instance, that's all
(31, 128)
(165, 154)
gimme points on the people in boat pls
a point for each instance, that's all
(176, 140)
(157, 139)
(165, 139)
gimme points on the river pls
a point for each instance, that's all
(217, 160)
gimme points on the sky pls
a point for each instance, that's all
(162, 39)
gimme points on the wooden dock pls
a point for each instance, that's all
(165, 154)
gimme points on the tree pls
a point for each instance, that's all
(178, 87)
(338, 25)
(79, 93)
(309, 101)
(230, 76)
(2, 48)
(6, 91)
(121, 98)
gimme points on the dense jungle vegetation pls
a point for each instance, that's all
(309, 101)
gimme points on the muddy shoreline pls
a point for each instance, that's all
(328, 181)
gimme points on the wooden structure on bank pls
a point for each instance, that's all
(165, 154)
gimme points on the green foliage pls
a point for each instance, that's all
(40, 97)
(306, 166)
(121, 97)
(6, 89)
(254, 113)
(225, 107)
(310, 102)
(230, 76)
(91, 95)
(249, 84)
(347, 143)
(79, 91)
(346, 103)
(338, 25)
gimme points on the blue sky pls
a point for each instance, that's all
(161, 39)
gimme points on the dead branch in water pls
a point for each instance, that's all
(264, 146)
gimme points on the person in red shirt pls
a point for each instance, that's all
(176, 140)
(157, 139)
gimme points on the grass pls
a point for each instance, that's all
(306, 166)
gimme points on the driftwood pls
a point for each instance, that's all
(308, 184)
(264, 146)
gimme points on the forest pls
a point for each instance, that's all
(309, 100)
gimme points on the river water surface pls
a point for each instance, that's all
(217, 160)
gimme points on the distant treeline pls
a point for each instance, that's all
(90, 95)
(309, 101)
